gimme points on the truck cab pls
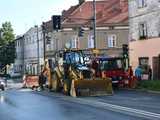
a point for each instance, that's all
(112, 67)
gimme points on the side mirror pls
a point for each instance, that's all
(86, 60)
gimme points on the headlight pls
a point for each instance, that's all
(120, 78)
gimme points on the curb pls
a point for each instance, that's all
(142, 90)
(155, 92)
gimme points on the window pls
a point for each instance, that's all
(158, 28)
(143, 60)
(20, 43)
(112, 64)
(90, 41)
(143, 30)
(30, 40)
(17, 43)
(112, 40)
(24, 41)
(74, 42)
(34, 39)
(144, 63)
(73, 57)
(27, 40)
(142, 3)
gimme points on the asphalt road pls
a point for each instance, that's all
(32, 105)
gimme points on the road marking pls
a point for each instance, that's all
(25, 90)
(112, 107)
(117, 108)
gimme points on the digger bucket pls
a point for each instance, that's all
(97, 87)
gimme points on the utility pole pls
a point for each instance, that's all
(38, 68)
(23, 65)
(94, 23)
(44, 40)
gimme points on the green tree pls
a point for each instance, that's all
(7, 34)
(7, 46)
(81, 1)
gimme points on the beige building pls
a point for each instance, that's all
(111, 27)
(145, 34)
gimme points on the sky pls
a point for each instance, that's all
(24, 14)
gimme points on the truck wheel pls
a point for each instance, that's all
(33, 87)
(2, 88)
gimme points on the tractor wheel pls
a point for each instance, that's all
(65, 89)
(55, 83)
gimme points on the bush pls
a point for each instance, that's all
(150, 85)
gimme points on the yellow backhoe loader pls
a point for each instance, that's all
(70, 74)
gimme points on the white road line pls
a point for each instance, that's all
(25, 90)
(132, 110)
(117, 108)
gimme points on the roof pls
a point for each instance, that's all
(65, 13)
(107, 12)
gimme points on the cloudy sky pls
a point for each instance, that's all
(24, 14)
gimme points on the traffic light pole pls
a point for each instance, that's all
(94, 23)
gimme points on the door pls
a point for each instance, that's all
(156, 68)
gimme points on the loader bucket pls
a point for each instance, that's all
(96, 87)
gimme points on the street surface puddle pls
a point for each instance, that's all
(5, 100)
(2, 99)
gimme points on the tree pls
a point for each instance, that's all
(81, 1)
(7, 44)
(6, 33)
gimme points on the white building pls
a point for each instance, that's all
(33, 50)
(16, 69)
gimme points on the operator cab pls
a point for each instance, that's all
(75, 59)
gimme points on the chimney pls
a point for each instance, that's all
(81, 1)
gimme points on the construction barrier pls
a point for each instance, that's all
(31, 81)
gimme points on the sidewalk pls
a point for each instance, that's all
(13, 84)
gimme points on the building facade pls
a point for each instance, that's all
(145, 34)
(33, 50)
(112, 27)
(16, 69)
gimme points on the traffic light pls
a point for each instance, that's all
(43, 27)
(125, 50)
(56, 20)
(48, 39)
(80, 32)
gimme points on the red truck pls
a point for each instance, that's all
(114, 68)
